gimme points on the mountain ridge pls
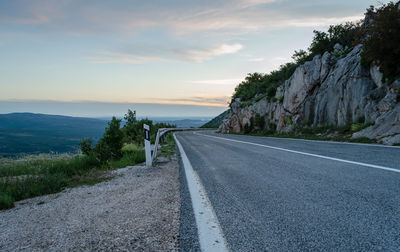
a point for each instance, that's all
(31, 133)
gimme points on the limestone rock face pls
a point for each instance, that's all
(386, 127)
(327, 91)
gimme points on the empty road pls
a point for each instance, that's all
(272, 194)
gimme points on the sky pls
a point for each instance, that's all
(162, 58)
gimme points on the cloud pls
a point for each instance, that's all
(156, 54)
(256, 59)
(280, 59)
(321, 21)
(219, 101)
(197, 16)
(35, 19)
(206, 54)
(218, 82)
(116, 57)
(251, 3)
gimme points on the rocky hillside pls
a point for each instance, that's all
(216, 121)
(327, 91)
(346, 85)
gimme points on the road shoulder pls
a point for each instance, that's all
(137, 210)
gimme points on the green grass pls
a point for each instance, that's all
(6, 201)
(321, 132)
(344, 135)
(26, 178)
(129, 158)
(168, 146)
(131, 148)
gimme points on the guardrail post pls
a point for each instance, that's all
(147, 145)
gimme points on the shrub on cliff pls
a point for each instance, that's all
(263, 84)
(380, 35)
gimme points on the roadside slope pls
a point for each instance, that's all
(137, 210)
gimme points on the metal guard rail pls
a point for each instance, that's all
(160, 134)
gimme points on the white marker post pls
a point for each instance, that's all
(147, 144)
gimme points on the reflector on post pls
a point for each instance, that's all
(147, 145)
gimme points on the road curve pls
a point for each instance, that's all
(296, 195)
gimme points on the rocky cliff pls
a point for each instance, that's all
(332, 90)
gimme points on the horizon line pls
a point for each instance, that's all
(183, 103)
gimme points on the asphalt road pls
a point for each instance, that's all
(272, 199)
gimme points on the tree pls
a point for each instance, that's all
(343, 34)
(300, 56)
(380, 35)
(129, 127)
(130, 117)
(109, 147)
(102, 151)
(86, 146)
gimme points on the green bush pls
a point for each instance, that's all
(263, 84)
(133, 128)
(130, 148)
(6, 201)
(343, 34)
(258, 98)
(130, 128)
(113, 137)
(288, 120)
(356, 127)
(86, 146)
(102, 151)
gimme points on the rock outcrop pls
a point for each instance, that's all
(328, 91)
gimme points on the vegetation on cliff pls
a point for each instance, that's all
(380, 35)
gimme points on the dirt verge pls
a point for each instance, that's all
(138, 210)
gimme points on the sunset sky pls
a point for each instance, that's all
(69, 53)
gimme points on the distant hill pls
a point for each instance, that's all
(184, 123)
(180, 122)
(27, 133)
(216, 122)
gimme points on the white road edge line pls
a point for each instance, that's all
(210, 234)
(332, 142)
(305, 153)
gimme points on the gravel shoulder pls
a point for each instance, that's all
(138, 210)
